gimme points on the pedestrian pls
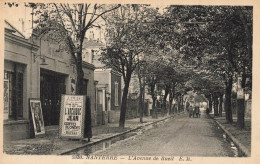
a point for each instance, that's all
(197, 111)
(190, 111)
(207, 110)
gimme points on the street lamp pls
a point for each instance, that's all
(40, 55)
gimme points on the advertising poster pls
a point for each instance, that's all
(37, 118)
(72, 116)
(6, 99)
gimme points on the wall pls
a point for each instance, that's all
(19, 50)
(15, 130)
(101, 76)
(89, 75)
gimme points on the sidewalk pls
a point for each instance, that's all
(242, 138)
(51, 144)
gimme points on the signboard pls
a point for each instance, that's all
(72, 116)
(6, 99)
(37, 118)
(240, 93)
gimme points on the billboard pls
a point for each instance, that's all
(72, 116)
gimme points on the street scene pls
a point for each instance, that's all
(127, 81)
(185, 137)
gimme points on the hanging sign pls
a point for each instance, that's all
(72, 116)
(37, 118)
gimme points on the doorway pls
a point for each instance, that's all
(52, 86)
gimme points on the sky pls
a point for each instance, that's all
(20, 17)
(16, 16)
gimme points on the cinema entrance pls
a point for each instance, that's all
(52, 85)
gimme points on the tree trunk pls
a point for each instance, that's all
(170, 101)
(153, 107)
(241, 107)
(179, 103)
(170, 106)
(220, 105)
(140, 98)
(215, 105)
(241, 113)
(164, 105)
(143, 96)
(228, 107)
(210, 105)
(80, 91)
(182, 103)
(241, 102)
(124, 100)
(165, 110)
(152, 86)
(80, 75)
(209, 97)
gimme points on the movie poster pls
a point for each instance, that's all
(72, 116)
(37, 118)
(6, 99)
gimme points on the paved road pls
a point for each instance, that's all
(181, 136)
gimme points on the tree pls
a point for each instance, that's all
(232, 37)
(217, 34)
(153, 72)
(139, 72)
(126, 36)
(67, 24)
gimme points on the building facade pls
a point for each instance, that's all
(108, 89)
(36, 68)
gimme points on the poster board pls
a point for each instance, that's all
(72, 116)
(37, 117)
(6, 99)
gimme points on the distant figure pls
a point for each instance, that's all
(187, 106)
(207, 110)
(190, 110)
(196, 112)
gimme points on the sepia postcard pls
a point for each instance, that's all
(130, 81)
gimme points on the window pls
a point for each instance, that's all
(116, 93)
(13, 95)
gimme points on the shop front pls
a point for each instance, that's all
(25, 78)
